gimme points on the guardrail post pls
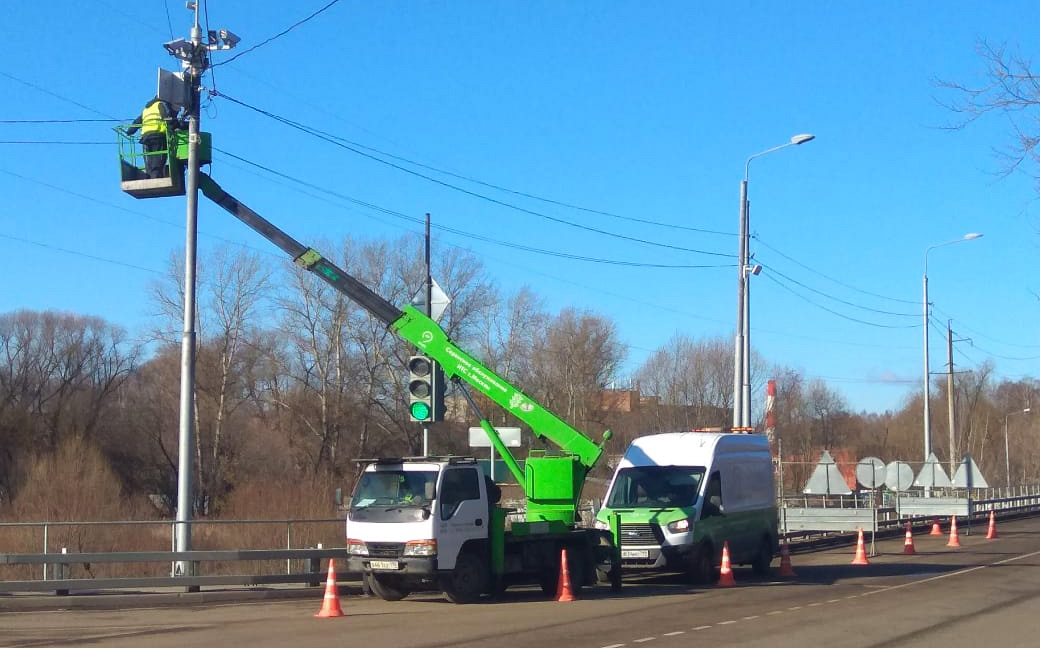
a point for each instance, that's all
(288, 545)
(44, 549)
(61, 572)
(315, 568)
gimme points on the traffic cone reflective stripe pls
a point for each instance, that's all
(935, 528)
(991, 532)
(563, 588)
(955, 539)
(861, 551)
(330, 604)
(908, 545)
(786, 570)
(725, 571)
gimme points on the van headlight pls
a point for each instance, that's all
(601, 525)
(421, 548)
(356, 547)
(679, 526)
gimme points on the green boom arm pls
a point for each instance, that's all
(424, 333)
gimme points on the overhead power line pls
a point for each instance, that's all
(459, 232)
(838, 299)
(278, 35)
(502, 203)
(770, 276)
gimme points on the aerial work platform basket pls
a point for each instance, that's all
(133, 176)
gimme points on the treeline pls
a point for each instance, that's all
(295, 383)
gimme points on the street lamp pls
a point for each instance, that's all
(927, 409)
(1007, 454)
(742, 346)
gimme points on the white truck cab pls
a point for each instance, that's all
(421, 523)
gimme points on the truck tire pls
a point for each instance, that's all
(468, 580)
(763, 558)
(702, 568)
(386, 587)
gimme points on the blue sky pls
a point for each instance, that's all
(647, 110)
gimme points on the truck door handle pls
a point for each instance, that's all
(479, 522)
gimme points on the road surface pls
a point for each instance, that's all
(986, 593)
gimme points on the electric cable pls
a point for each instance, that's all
(834, 312)
(278, 35)
(837, 299)
(463, 190)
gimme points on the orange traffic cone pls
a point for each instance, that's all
(563, 588)
(908, 545)
(786, 570)
(725, 571)
(861, 551)
(955, 539)
(991, 532)
(935, 528)
(330, 605)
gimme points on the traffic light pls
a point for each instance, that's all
(425, 390)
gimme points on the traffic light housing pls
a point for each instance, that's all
(425, 390)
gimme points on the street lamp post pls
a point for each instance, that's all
(1007, 453)
(927, 409)
(742, 346)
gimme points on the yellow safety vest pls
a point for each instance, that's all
(152, 120)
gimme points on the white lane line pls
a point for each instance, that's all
(726, 622)
(795, 607)
(643, 640)
(748, 618)
(774, 612)
(614, 646)
(852, 596)
(834, 601)
(814, 604)
(704, 627)
(956, 573)
(672, 634)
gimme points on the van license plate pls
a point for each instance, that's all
(384, 564)
(635, 553)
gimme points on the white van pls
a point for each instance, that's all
(681, 495)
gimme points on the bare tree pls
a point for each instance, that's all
(1009, 90)
(693, 381)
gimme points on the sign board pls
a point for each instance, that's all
(173, 89)
(439, 300)
(870, 472)
(932, 474)
(899, 476)
(826, 478)
(478, 438)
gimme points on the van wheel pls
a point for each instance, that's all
(468, 580)
(703, 568)
(764, 557)
(386, 587)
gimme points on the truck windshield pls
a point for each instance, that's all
(656, 486)
(389, 488)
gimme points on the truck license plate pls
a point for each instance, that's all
(384, 564)
(635, 553)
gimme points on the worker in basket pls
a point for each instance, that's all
(155, 122)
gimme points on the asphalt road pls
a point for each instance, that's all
(986, 593)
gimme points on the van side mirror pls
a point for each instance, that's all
(338, 497)
(715, 505)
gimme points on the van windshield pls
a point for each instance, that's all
(656, 486)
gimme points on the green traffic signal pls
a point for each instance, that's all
(420, 411)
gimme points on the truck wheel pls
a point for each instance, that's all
(468, 580)
(764, 557)
(702, 570)
(609, 576)
(386, 587)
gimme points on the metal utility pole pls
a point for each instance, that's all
(194, 56)
(738, 351)
(950, 392)
(429, 312)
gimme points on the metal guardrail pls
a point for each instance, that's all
(61, 585)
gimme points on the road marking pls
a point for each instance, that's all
(704, 627)
(814, 604)
(748, 618)
(834, 601)
(726, 622)
(614, 646)
(852, 596)
(672, 634)
(956, 573)
(644, 639)
(795, 607)
(774, 612)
